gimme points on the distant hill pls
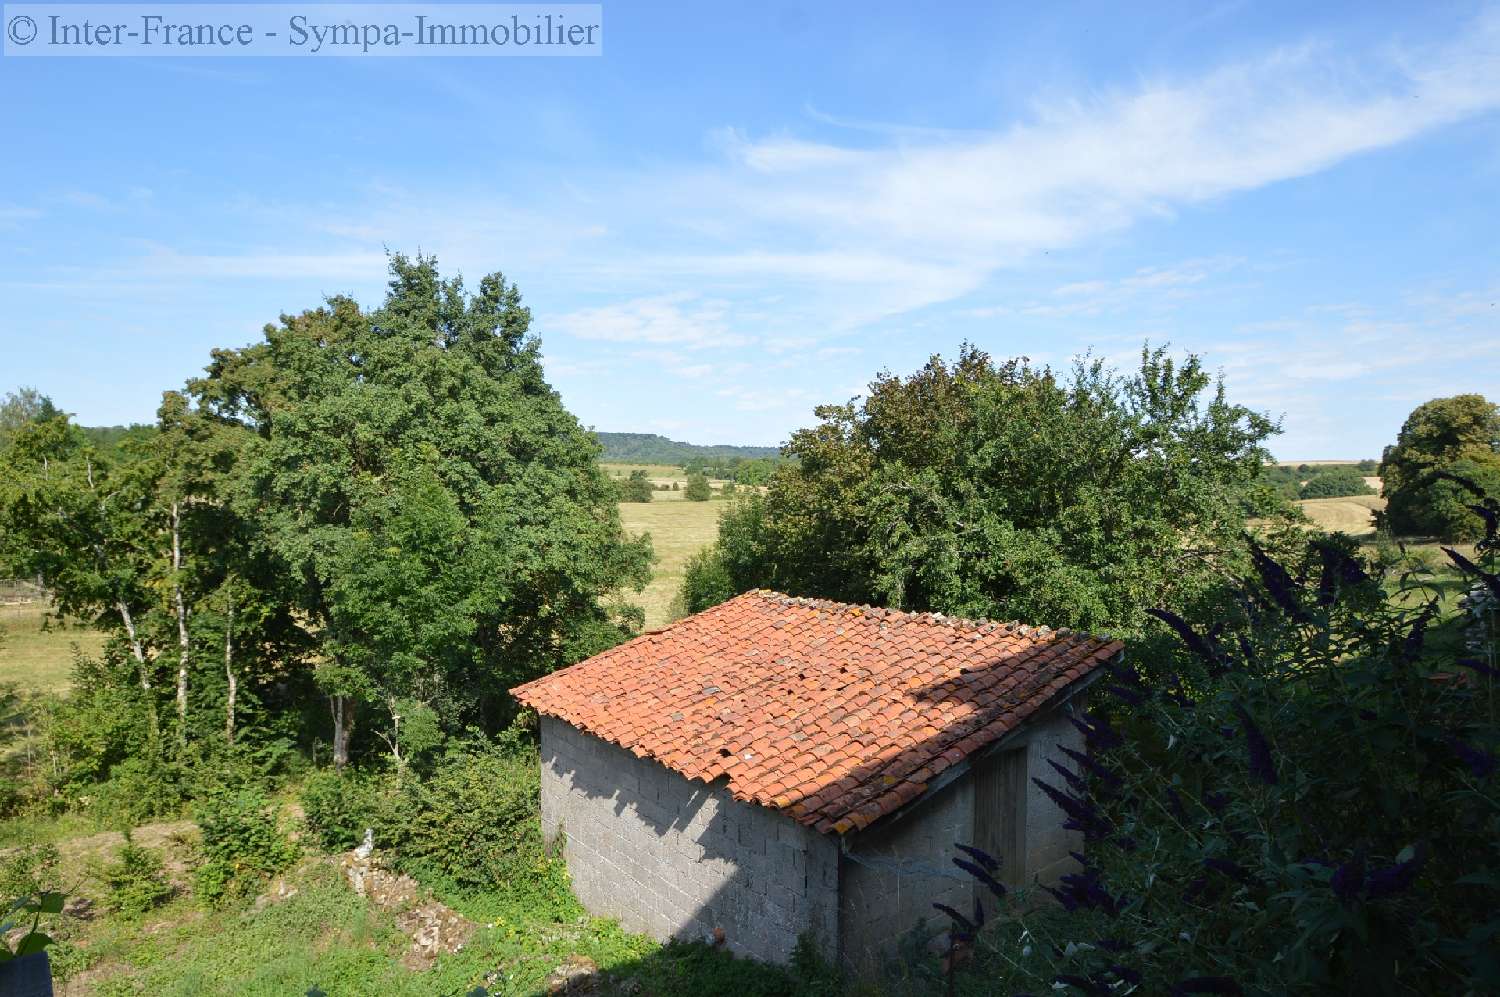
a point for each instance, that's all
(649, 448)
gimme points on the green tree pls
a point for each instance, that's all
(1441, 441)
(443, 517)
(985, 489)
(754, 472)
(1336, 483)
(637, 487)
(20, 407)
(91, 530)
(698, 489)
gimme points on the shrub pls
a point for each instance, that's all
(135, 882)
(636, 488)
(1299, 798)
(1448, 449)
(479, 823)
(1441, 502)
(137, 790)
(29, 870)
(339, 807)
(705, 582)
(242, 845)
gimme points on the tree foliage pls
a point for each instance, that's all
(442, 517)
(637, 487)
(1335, 484)
(698, 489)
(1447, 448)
(1001, 489)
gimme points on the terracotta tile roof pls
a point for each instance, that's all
(831, 713)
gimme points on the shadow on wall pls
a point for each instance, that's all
(684, 860)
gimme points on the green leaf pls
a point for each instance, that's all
(51, 903)
(32, 943)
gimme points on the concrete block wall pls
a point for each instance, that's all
(894, 872)
(1047, 842)
(671, 857)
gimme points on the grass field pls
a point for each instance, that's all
(1346, 515)
(678, 530)
(37, 656)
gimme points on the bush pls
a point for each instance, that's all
(29, 870)
(636, 488)
(705, 582)
(698, 489)
(1314, 811)
(242, 845)
(135, 882)
(339, 807)
(1336, 483)
(137, 790)
(479, 825)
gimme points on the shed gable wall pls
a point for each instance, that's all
(670, 857)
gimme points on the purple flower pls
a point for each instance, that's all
(1396, 878)
(1129, 696)
(1084, 891)
(1491, 581)
(1478, 666)
(979, 855)
(1261, 764)
(983, 876)
(1278, 583)
(1099, 771)
(1203, 648)
(1481, 763)
(1097, 732)
(963, 929)
(1075, 782)
(1348, 879)
(1082, 815)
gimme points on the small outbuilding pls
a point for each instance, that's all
(778, 767)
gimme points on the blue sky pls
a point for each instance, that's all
(742, 211)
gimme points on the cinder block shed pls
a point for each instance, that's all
(776, 767)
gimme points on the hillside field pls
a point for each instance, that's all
(37, 656)
(1349, 515)
(678, 530)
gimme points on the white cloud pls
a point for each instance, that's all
(678, 319)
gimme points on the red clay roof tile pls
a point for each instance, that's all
(834, 714)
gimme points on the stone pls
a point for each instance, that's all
(578, 975)
(435, 929)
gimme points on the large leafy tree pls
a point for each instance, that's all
(1003, 489)
(442, 515)
(89, 528)
(1447, 452)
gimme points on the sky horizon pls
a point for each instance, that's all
(736, 214)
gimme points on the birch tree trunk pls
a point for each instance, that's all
(182, 633)
(143, 675)
(230, 678)
(342, 708)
